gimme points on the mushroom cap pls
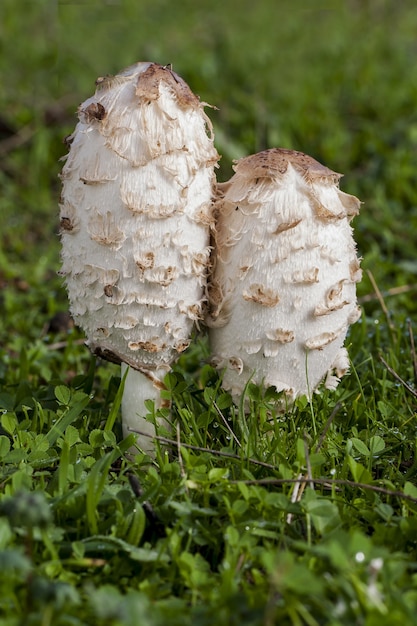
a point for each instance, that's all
(283, 287)
(135, 210)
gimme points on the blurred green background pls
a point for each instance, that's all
(334, 79)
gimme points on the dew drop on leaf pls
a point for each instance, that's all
(359, 557)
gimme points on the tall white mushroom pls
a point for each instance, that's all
(135, 216)
(283, 289)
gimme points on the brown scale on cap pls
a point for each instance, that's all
(148, 84)
(94, 111)
(66, 224)
(274, 162)
(261, 295)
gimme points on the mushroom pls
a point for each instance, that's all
(135, 211)
(283, 288)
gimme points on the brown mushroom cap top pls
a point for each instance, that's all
(148, 85)
(148, 82)
(274, 163)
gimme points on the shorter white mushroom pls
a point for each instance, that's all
(283, 289)
(136, 210)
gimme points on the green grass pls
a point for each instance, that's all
(261, 519)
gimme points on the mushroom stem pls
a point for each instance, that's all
(138, 388)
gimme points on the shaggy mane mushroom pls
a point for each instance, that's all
(283, 287)
(135, 211)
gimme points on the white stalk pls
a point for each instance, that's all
(137, 389)
(135, 213)
(283, 289)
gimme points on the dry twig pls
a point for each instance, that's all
(398, 377)
(380, 299)
(413, 350)
(328, 482)
(394, 291)
(229, 455)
